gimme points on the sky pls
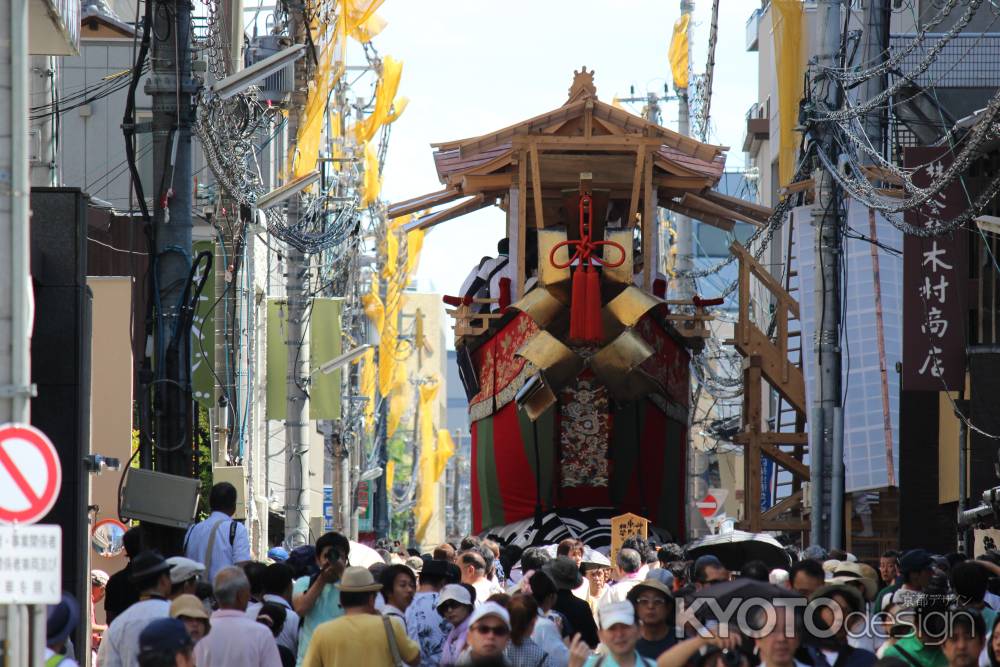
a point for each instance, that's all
(471, 67)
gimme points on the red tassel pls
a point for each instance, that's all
(504, 297)
(577, 318)
(593, 328)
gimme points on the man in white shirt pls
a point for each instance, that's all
(277, 586)
(219, 541)
(629, 563)
(151, 576)
(474, 573)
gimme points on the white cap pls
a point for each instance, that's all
(184, 568)
(456, 593)
(99, 577)
(492, 609)
(615, 612)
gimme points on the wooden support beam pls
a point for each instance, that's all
(774, 438)
(474, 204)
(650, 226)
(536, 187)
(782, 506)
(687, 183)
(799, 186)
(522, 225)
(405, 207)
(633, 206)
(472, 183)
(757, 211)
(724, 224)
(752, 415)
(786, 461)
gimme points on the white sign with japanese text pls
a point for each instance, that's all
(30, 564)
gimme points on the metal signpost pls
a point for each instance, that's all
(30, 555)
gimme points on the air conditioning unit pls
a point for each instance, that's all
(277, 87)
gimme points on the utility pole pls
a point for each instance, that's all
(827, 455)
(171, 86)
(297, 339)
(685, 244)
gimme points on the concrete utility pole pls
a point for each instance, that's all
(297, 339)
(685, 243)
(171, 86)
(826, 454)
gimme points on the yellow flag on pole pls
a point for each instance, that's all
(678, 53)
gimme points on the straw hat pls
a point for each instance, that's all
(358, 580)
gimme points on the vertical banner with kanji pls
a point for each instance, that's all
(935, 278)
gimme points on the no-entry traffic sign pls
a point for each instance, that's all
(30, 475)
(708, 506)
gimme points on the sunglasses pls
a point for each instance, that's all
(448, 606)
(496, 630)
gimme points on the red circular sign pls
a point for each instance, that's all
(30, 474)
(708, 506)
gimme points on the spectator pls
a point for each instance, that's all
(619, 634)
(916, 571)
(189, 610)
(806, 577)
(641, 545)
(255, 575)
(184, 575)
(629, 565)
(273, 616)
(966, 638)
(992, 653)
(360, 636)
(489, 632)
(120, 594)
(98, 588)
(278, 590)
(150, 576)
(60, 622)
(888, 567)
(494, 568)
(777, 643)
(235, 640)
(654, 606)
(834, 649)
(474, 570)
(456, 604)
(756, 570)
(219, 541)
(597, 579)
(574, 549)
(969, 581)
(165, 643)
(277, 554)
(532, 560)
(566, 574)
(522, 651)
(547, 633)
(316, 598)
(708, 570)
(444, 552)
(424, 624)
(398, 588)
(920, 648)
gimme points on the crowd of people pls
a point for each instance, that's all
(483, 603)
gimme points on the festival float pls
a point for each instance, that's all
(575, 365)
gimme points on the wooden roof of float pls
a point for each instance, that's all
(643, 165)
(583, 126)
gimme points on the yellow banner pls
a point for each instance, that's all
(787, 27)
(678, 54)
(425, 506)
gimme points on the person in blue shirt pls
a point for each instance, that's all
(219, 541)
(315, 598)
